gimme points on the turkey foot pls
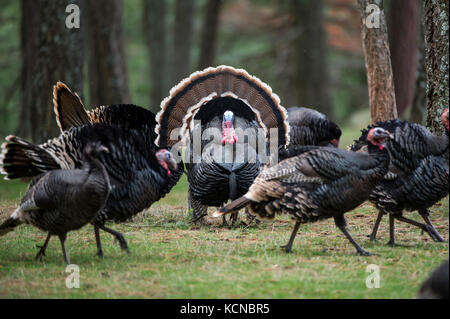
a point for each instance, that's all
(41, 252)
(122, 242)
(288, 246)
(341, 223)
(424, 227)
(425, 213)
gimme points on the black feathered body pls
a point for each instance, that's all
(310, 127)
(224, 171)
(319, 183)
(419, 172)
(137, 179)
(64, 200)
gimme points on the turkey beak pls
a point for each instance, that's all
(172, 163)
(103, 149)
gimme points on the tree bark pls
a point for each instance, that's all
(419, 106)
(436, 13)
(108, 79)
(154, 24)
(309, 57)
(377, 57)
(183, 32)
(51, 52)
(209, 34)
(403, 36)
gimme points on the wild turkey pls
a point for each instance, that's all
(63, 200)
(139, 172)
(316, 183)
(70, 112)
(418, 175)
(310, 127)
(225, 118)
(436, 286)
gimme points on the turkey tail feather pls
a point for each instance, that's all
(68, 107)
(22, 159)
(232, 207)
(185, 100)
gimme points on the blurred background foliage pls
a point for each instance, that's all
(262, 36)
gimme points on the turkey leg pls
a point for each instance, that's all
(62, 239)
(43, 248)
(373, 235)
(98, 242)
(391, 241)
(425, 213)
(341, 223)
(288, 246)
(122, 242)
(424, 227)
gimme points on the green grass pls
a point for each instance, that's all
(170, 258)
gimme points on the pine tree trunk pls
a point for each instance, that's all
(403, 36)
(309, 56)
(377, 56)
(108, 79)
(436, 13)
(154, 24)
(183, 34)
(419, 106)
(51, 52)
(209, 34)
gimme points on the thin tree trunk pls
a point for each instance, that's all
(183, 35)
(51, 52)
(436, 14)
(154, 22)
(419, 106)
(403, 36)
(108, 79)
(209, 34)
(309, 56)
(380, 80)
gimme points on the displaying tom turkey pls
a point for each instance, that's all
(310, 127)
(63, 200)
(316, 183)
(418, 176)
(139, 172)
(227, 120)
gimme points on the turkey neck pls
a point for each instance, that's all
(380, 156)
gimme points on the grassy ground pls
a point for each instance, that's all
(170, 258)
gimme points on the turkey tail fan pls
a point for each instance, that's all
(232, 207)
(22, 159)
(186, 99)
(68, 107)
